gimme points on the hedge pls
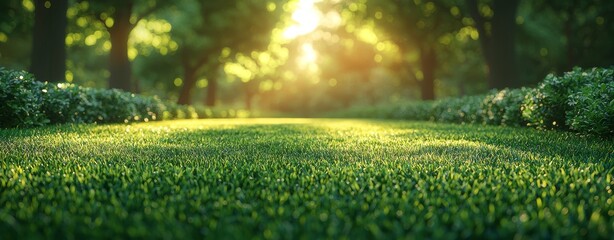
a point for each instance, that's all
(580, 101)
(495, 108)
(21, 100)
(25, 102)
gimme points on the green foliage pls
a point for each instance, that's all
(551, 105)
(458, 110)
(581, 101)
(420, 111)
(504, 107)
(20, 100)
(176, 111)
(592, 107)
(496, 108)
(303, 179)
(149, 108)
(545, 106)
(208, 112)
(69, 103)
(379, 111)
(27, 103)
(115, 105)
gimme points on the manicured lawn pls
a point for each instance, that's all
(290, 178)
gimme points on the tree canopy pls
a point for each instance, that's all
(304, 55)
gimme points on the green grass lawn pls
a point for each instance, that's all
(295, 178)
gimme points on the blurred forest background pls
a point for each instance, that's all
(304, 56)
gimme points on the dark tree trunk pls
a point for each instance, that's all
(119, 64)
(189, 81)
(211, 90)
(48, 44)
(428, 64)
(498, 45)
(503, 67)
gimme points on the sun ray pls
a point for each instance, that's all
(308, 54)
(307, 18)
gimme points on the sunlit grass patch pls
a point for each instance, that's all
(276, 178)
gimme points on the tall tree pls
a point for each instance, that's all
(48, 58)
(496, 25)
(417, 26)
(120, 17)
(213, 32)
(119, 64)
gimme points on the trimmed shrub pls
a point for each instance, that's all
(176, 111)
(546, 106)
(414, 110)
(25, 102)
(212, 112)
(114, 105)
(582, 101)
(591, 109)
(20, 100)
(504, 107)
(68, 103)
(149, 108)
(458, 110)
(190, 112)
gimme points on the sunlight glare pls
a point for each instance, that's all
(307, 18)
(308, 55)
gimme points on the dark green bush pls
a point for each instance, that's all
(113, 106)
(591, 109)
(379, 111)
(149, 108)
(504, 107)
(20, 100)
(176, 111)
(545, 107)
(414, 110)
(458, 110)
(578, 100)
(213, 112)
(104, 106)
(173, 111)
(190, 112)
(497, 108)
(56, 103)
(25, 102)
(581, 100)
(69, 103)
